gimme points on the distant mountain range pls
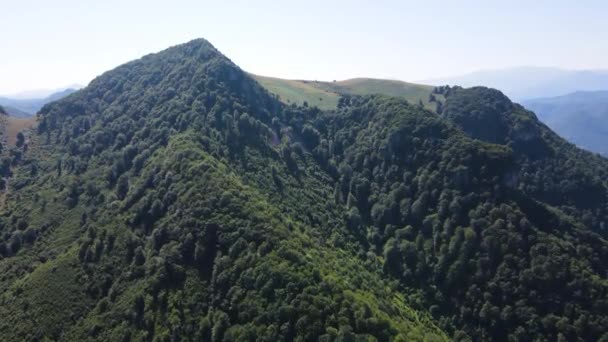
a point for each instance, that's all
(581, 117)
(26, 107)
(523, 83)
(40, 93)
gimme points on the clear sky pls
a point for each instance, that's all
(49, 44)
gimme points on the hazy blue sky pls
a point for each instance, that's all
(48, 44)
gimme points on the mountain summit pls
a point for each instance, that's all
(175, 198)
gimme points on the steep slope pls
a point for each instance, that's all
(580, 117)
(159, 206)
(458, 224)
(325, 95)
(176, 199)
(547, 167)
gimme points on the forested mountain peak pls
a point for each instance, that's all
(554, 170)
(174, 198)
(483, 113)
(177, 73)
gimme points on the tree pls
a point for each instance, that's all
(20, 139)
(310, 136)
(221, 322)
(354, 218)
(392, 257)
(351, 201)
(122, 186)
(5, 167)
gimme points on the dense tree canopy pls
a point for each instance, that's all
(175, 199)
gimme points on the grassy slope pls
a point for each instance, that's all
(10, 126)
(364, 86)
(16, 125)
(325, 95)
(294, 91)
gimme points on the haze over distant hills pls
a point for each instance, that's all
(521, 83)
(40, 93)
(581, 117)
(25, 107)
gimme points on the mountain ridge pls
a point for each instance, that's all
(176, 198)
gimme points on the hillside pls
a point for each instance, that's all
(525, 83)
(11, 126)
(182, 234)
(14, 112)
(325, 95)
(175, 198)
(25, 108)
(549, 168)
(580, 117)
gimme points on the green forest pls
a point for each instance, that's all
(177, 199)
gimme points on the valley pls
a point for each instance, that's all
(580, 117)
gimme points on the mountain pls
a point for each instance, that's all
(10, 127)
(326, 95)
(12, 111)
(29, 107)
(580, 117)
(40, 93)
(523, 83)
(175, 198)
(60, 94)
